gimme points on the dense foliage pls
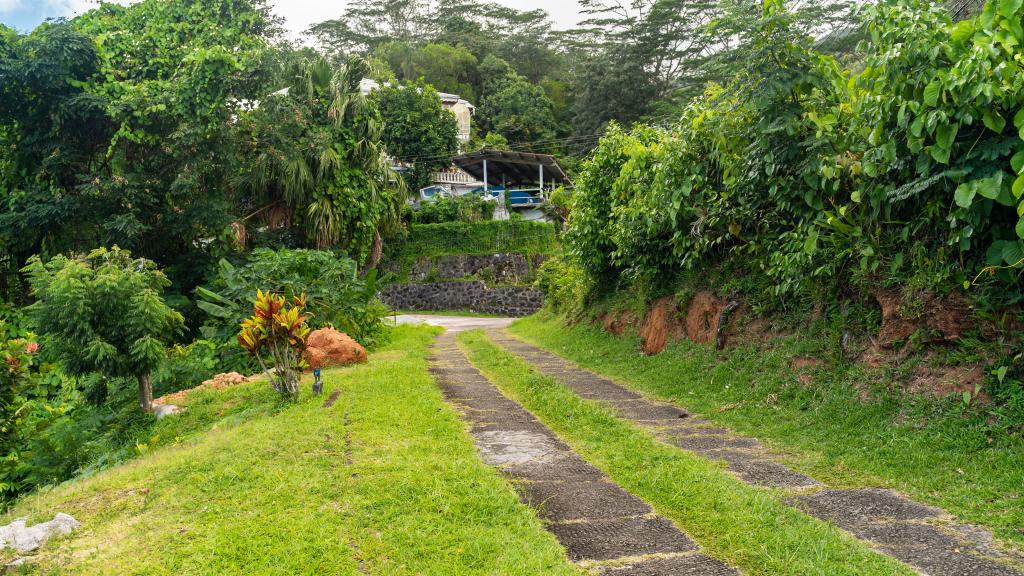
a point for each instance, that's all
(336, 296)
(466, 208)
(315, 151)
(104, 313)
(815, 180)
(486, 237)
(114, 138)
(417, 130)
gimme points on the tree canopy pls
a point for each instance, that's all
(417, 130)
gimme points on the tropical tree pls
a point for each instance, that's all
(417, 129)
(116, 127)
(104, 312)
(450, 69)
(520, 112)
(314, 148)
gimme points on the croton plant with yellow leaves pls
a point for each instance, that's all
(278, 329)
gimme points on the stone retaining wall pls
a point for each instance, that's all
(509, 268)
(474, 296)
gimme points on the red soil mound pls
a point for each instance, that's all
(329, 347)
(218, 382)
(702, 317)
(617, 322)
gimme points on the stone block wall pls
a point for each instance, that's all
(493, 268)
(474, 296)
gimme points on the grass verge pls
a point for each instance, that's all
(383, 482)
(750, 528)
(843, 425)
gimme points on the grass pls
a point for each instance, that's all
(386, 481)
(845, 427)
(750, 528)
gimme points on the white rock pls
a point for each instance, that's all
(162, 410)
(27, 538)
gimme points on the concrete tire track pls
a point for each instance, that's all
(601, 526)
(923, 537)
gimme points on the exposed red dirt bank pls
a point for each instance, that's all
(218, 382)
(940, 319)
(702, 316)
(661, 324)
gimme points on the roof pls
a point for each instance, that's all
(504, 166)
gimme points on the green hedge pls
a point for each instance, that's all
(490, 237)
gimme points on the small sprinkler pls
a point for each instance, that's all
(318, 384)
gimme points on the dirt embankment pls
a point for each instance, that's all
(930, 318)
(935, 318)
(667, 319)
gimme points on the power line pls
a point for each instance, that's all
(522, 146)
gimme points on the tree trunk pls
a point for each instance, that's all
(145, 392)
(376, 250)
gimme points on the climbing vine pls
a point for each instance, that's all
(815, 178)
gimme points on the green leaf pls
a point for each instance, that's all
(1018, 121)
(940, 154)
(945, 135)
(1001, 373)
(990, 187)
(1013, 253)
(208, 294)
(962, 31)
(1018, 186)
(916, 126)
(213, 309)
(931, 92)
(994, 121)
(964, 194)
(1017, 161)
(1008, 8)
(1020, 228)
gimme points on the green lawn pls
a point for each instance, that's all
(921, 447)
(750, 528)
(384, 482)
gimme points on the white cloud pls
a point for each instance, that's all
(67, 7)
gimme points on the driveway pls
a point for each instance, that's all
(453, 323)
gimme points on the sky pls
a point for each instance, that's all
(23, 15)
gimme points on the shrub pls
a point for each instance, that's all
(279, 330)
(185, 366)
(565, 284)
(104, 312)
(490, 237)
(467, 208)
(338, 297)
(17, 356)
(815, 180)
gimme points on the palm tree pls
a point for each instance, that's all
(317, 151)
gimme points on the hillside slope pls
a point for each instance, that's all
(385, 481)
